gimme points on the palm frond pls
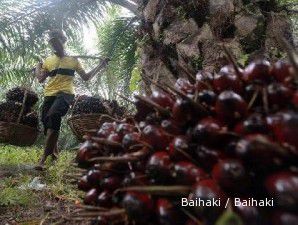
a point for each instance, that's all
(118, 40)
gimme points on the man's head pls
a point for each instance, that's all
(57, 39)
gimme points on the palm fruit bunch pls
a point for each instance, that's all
(231, 136)
(17, 95)
(11, 109)
(30, 119)
(117, 110)
(88, 105)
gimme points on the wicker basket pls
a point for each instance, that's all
(17, 134)
(87, 124)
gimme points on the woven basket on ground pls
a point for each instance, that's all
(17, 134)
(87, 124)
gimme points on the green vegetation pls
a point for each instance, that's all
(116, 39)
(13, 196)
(16, 164)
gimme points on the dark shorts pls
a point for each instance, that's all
(53, 109)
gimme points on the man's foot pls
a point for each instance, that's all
(40, 166)
(54, 157)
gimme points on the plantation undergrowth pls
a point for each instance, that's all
(20, 201)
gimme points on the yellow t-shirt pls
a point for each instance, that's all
(62, 72)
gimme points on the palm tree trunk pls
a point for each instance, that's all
(181, 37)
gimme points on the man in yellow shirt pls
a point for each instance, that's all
(59, 90)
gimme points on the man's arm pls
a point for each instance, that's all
(40, 73)
(88, 76)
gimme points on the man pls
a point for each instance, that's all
(59, 90)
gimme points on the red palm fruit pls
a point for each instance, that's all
(153, 119)
(207, 190)
(87, 151)
(295, 99)
(163, 99)
(207, 97)
(284, 218)
(185, 86)
(103, 220)
(259, 153)
(110, 127)
(203, 81)
(130, 140)
(171, 127)
(206, 131)
(168, 214)
(142, 110)
(111, 183)
(112, 166)
(287, 130)
(106, 129)
(125, 128)
(182, 112)
(230, 107)
(239, 128)
(250, 215)
(278, 94)
(274, 121)
(255, 123)
(155, 137)
(91, 197)
(250, 91)
(94, 177)
(159, 167)
(281, 70)
(105, 199)
(103, 133)
(227, 79)
(138, 206)
(135, 178)
(178, 144)
(187, 173)
(83, 184)
(115, 137)
(258, 70)
(140, 165)
(290, 82)
(283, 187)
(207, 157)
(142, 125)
(231, 175)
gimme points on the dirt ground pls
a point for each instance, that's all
(46, 208)
(58, 203)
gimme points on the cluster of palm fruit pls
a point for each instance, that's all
(17, 95)
(117, 110)
(232, 134)
(12, 108)
(88, 105)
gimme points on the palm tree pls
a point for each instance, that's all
(177, 37)
(23, 25)
(181, 37)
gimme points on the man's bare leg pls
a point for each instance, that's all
(55, 153)
(50, 145)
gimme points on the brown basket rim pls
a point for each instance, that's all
(74, 117)
(19, 124)
(85, 115)
(73, 121)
